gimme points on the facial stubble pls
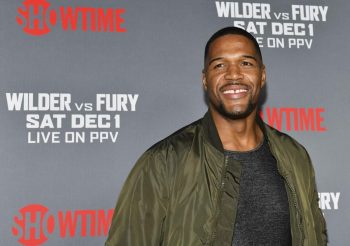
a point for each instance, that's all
(234, 115)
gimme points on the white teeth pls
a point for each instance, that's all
(234, 91)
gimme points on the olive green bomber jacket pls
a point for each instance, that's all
(184, 192)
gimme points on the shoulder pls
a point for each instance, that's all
(180, 140)
(285, 144)
(165, 153)
(292, 157)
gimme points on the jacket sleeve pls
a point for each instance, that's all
(319, 221)
(141, 208)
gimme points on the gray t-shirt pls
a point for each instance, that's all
(263, 211)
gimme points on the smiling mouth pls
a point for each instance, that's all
(232, 91)
(235, 89)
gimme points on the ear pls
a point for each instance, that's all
(263, 75)
(204, 80)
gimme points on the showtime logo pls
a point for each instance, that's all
(295, 119)
(37, 18)
(35, 224)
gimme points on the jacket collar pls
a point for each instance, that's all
(212, 136)
(210, 132)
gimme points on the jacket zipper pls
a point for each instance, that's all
(292, 189)
(296, 207)
(213, 237)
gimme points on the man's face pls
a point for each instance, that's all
(233, 76)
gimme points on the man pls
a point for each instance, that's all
(226, 179)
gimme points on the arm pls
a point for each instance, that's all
(319, 221)
(141, 207)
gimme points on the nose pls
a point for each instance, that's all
(233, 72)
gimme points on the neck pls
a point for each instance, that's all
(239, 134)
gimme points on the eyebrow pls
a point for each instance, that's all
(215, 59)
(245, 56)
(251, 57)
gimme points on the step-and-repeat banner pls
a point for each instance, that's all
(86, 86)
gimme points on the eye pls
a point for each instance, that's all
(219, 65)
(247, 63)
